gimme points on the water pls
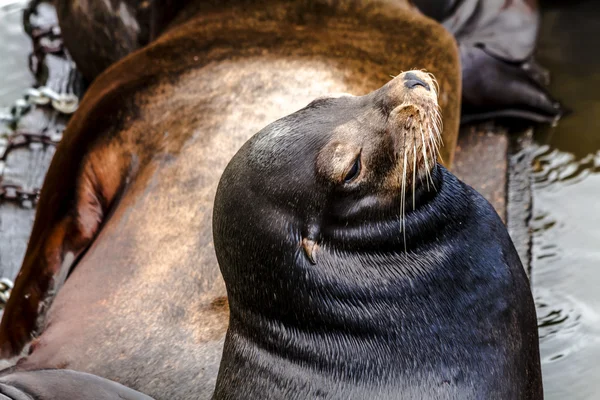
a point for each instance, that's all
(14, 49)
(566, 210)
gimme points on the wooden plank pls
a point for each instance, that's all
(481, 162)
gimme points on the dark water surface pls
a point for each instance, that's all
(14, 48)
(566, 205)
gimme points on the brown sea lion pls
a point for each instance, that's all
(129, 193)
(357, 268)
(496, 38)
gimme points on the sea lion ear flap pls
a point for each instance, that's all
(310, 249)
(495, 88)
(309, 242)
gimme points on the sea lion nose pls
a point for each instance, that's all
(411, 80)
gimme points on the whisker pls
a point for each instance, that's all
(427, 173)
(433, 143)
(434, 139)
(435, 82)
(414, 170)
(403, 222)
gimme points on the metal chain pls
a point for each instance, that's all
(6, 286)
(64, 103)
(17, 193)
(45, 41)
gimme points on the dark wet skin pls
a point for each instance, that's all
(99, 33)
(443, 311)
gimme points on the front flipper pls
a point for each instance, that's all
(63, 385)
(494, 88)
(497, 40)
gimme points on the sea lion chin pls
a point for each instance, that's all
(357, 267)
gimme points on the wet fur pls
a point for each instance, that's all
(444, 311)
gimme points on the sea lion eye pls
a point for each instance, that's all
(354, 171)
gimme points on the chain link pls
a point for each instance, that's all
(6, 286)
(45, 41)
(24, 138)
(65, 103)
(17, 193)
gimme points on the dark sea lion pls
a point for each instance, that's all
(358, 268)
(497, 41)
(63, 385)
(496, 38)
(130, 191)
(100, 33)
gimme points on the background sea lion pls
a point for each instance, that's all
(497, 40)
(100, 33)
(129, 193)
(63, 385)
(357, 268)
(496, 37)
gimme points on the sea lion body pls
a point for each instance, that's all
(130, 191)
(63, 385)
(395, 282)
(99, 33)
(496, 40)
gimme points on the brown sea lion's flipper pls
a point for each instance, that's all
(497, 42)
(76, 198)
(63, 385)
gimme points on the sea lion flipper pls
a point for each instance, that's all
(63, 385)
(496, 88)
(31, 285)
(66, 223)
(497, 40)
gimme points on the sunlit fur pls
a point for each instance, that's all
(421, 145)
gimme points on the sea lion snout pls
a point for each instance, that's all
(411, 87)
(411, 80)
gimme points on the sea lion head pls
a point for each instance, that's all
(340, 163)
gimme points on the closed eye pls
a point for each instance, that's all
(354, 171)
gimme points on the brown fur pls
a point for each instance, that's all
(132, 185)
